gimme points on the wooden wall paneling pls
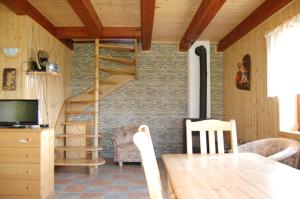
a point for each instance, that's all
(16, 37)
(23, 7)
(257, 115)
(75, 141)
(45, 87)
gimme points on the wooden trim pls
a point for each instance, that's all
(147, 19)
(298, 111)
(205, 13)
(108, 33)
(88, 15)
(79, 162)
(23, 7)
(260, 14)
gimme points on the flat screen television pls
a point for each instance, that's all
(19, 112)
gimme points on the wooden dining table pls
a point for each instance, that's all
(230, 176)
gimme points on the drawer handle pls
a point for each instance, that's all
(28, 155)
(25, 140)
(28, 187)
(28, 171)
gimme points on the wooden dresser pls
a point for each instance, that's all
(26, 163)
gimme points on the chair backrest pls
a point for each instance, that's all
(142, 139)
(211, 126)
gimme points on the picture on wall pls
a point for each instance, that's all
(9, 79)
(242, 78)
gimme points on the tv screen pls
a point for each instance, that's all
(18, 112)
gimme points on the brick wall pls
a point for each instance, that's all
(216, 80)
(157, 98)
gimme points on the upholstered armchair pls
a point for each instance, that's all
(124, 148)
(283, 150)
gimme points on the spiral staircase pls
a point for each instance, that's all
(77, 129)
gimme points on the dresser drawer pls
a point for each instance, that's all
(19, 171)
(19, 187)
(19, 155)
(20, 139)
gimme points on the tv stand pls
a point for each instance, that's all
(27, 162)
(17, 126)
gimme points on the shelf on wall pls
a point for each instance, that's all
(41, 73)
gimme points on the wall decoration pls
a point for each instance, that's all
(9, 79)
(242, 78)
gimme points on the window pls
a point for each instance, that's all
(283, 70)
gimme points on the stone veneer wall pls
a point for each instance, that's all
(216, 71)
(157, 98)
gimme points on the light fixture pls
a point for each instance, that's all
(11, 52)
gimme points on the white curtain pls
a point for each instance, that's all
(283, 59)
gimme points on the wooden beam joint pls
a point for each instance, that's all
(205, 13)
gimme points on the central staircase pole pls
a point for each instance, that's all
(96, 116)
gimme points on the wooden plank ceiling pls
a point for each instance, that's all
(180, 21)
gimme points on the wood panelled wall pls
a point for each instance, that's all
(257, 116)
(22, 32)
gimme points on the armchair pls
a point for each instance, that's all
(282, 150)
(124, 148)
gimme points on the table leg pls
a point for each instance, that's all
(170, 190)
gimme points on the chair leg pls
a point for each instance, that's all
(120, 164)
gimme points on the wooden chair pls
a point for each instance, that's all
(211, 126)
(142, 140)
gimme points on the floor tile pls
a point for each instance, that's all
(101, 182)
(62, 181)
(59, 187)
(115, 195)
(96, 188)
(138, 195)
(138, 189)
(69, 196)
(75, 188)
(117, 188)
(81, 181)
(110, 182)
(92, 196)
(120, 182)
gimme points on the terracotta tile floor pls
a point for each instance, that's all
(110, 182)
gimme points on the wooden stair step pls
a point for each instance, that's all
(79, 112)
(81, 101)
(78, 123)
(79, 162)
(124, 70)
(119, 60)
(104, 81)
(116, 47)
(78, 148)
(76, 135)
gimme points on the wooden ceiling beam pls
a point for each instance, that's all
(147, 19)
(205, 13)
(260, 14)
(88, 15)
(107, 33)
(23, 7)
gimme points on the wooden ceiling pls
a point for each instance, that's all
(180, 21)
